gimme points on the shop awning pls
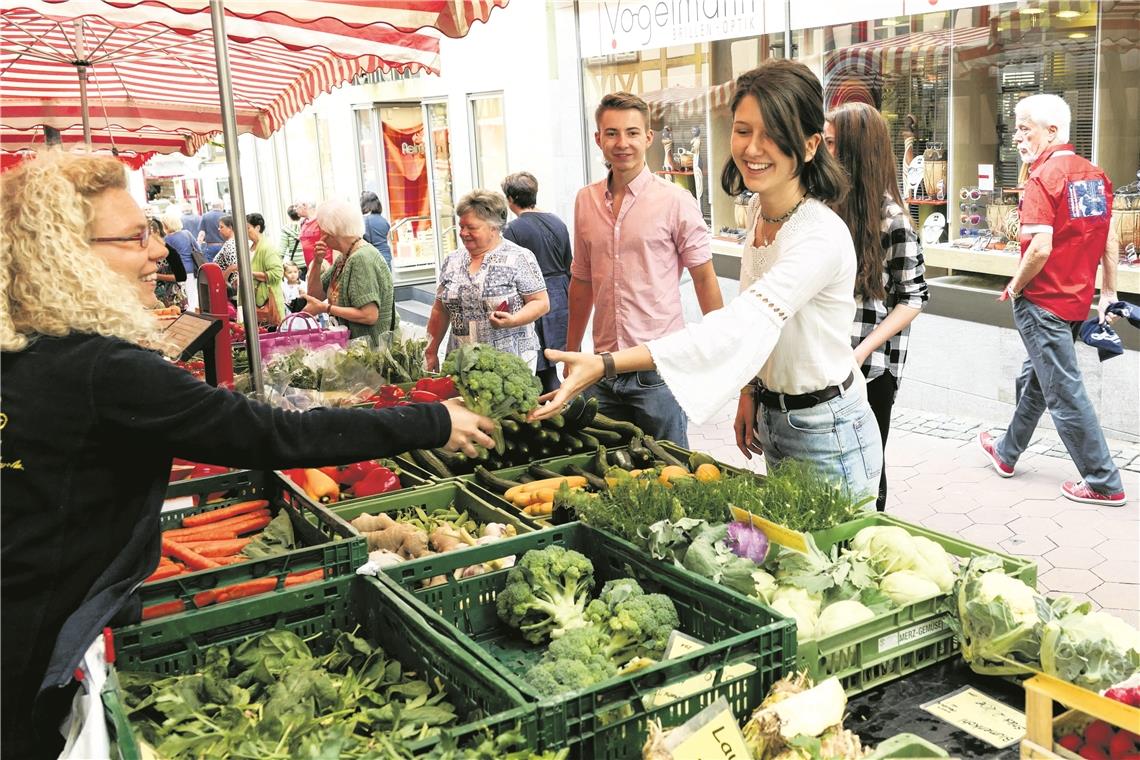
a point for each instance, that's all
(687, 102)
(902, 52)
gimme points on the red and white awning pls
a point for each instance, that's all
(902, 52)
(688, 102)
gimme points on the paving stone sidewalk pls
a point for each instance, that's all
(937, 477)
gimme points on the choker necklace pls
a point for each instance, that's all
(790, 211)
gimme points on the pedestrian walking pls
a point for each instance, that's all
(890, 289)
(544, 235)
(1065, 234)
(210, 239)
(376, 226)
(633, 234)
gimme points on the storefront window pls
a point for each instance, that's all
(1118, 132)
(490, 137)
(371, 169)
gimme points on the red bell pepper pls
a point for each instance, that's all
(297, 475)
(380, 480)
(352, 474)
(424, 397)
(332, 472)
(204, 470)
(444, 387)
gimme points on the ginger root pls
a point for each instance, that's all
(445, 538)
(383, 533)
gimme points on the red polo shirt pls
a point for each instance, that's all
(309, 235)
(1072, 198)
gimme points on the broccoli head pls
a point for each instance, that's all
(636, 624)
(553, 677)
(546, 593)
(493, 382)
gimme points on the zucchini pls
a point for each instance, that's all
(590, 411)
(481, 454)
(637, 450)
(553, 436)
(621, 458)
(510, 426)
(659, 451)
(455, 461)
(589, 442)
(431, 463)
(543, 473)
(600, 463)
(492, 481)
(527, 478)
(626, 429)
(607, 437)
(574, 410)
(543, 452)
(697, 458)
(557, 422)
(572, 444)
(596, 483)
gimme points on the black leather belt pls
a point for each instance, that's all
(784, 401)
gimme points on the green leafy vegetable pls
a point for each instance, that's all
(493, 383)
(546, 593)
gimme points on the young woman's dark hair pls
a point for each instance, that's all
(863, 147)
(370, 203)
(291, 212)
(791, 103)
(256, 220)
(226, 220)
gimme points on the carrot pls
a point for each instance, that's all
(246, 588)
(224, 548)
(233, 559)
(216, 515)
(205, 598)
(253, 525)
(304, 576)
(165, 571)
(193, 559)
(163, 608)
(211, 531)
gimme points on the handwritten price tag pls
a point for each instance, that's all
(712, 733)
(679, 645)
(980, 716)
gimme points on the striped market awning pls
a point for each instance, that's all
(688, 102)
(901, 53)
(151, 72)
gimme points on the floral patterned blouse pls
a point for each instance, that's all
(507, 273)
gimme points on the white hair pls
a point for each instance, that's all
(172, 219)
(340, 219)
(216, 206)
(1046, 111)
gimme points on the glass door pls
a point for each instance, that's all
(409, 198)
(439, 176)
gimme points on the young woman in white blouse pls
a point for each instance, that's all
(786, 338)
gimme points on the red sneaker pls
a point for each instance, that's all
(986, 442)
(1078, 490)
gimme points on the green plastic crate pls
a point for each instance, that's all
(683, 455)
(608, 720)
(907, 745)
(430, 498)
(229, 483)
(899, 642)
(557, 464)
(485, 701)
(326, 541)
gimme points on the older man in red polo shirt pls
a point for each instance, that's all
(1065, 233)
(633, 234)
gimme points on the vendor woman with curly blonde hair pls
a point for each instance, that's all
(92, 418)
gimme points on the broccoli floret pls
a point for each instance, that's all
(552, 677)
(635, 624)
(493, 382)
(613, 593)
(546, 593)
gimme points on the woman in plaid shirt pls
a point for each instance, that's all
(889, 287)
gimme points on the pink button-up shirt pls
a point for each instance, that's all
(632, 257)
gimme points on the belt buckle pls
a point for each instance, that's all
(783, 406)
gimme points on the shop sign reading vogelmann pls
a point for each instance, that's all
(619, 26)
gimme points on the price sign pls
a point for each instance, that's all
(711, 734)
(189, 333)
(679, 645)
(980, 715)
(777, 534)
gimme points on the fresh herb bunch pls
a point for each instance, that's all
(272, 698)
(493, 383)
(797, 495)
(401, 360)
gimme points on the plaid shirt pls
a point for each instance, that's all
(903, 280)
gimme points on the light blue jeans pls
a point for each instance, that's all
(840, 436)
(1050, 379)
(643, 399)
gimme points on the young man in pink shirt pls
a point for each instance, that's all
(633, 233)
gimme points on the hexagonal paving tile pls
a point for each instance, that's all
(947, 522)
(1068, 580)
(908, 510)
(1118, 571)
(1120, 595)
(1027, 546)
(1041, 507)
(987, 515)
(1117, 528)
(985, 535)
(1074, 556)
(1119, 549)
(1083, 536)
(954, 504)
(1032, 526)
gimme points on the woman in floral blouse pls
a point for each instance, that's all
(491, 290)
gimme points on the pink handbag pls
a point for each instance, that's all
(301, 330)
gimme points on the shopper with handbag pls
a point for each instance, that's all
(187, 247)
(268, 273)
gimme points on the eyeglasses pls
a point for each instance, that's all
(142, 238)
(970, 194)
(970, 208)
(971, 219)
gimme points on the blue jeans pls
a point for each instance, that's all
(643, 399)
(1050, 379)
(840, 436)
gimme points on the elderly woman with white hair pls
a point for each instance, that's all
(357, 289)
(491, 290)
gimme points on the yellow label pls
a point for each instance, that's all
(680, 645)
(776, 533)
(718, 739)
(980, 716)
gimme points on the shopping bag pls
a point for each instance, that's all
(85, 728)
(301, 330)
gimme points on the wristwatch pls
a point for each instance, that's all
(608, 365)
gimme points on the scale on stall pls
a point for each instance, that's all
(202, 331)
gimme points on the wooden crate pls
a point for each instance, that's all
(1040, 725)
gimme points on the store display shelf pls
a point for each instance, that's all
(1005, 264)
(749, 646)
(180, 644)
(1042, 728)
(904, 640)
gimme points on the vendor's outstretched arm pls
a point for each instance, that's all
(583, 370)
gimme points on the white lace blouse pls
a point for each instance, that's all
(790, 326)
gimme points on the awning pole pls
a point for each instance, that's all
(81, 66)
(237, 196)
